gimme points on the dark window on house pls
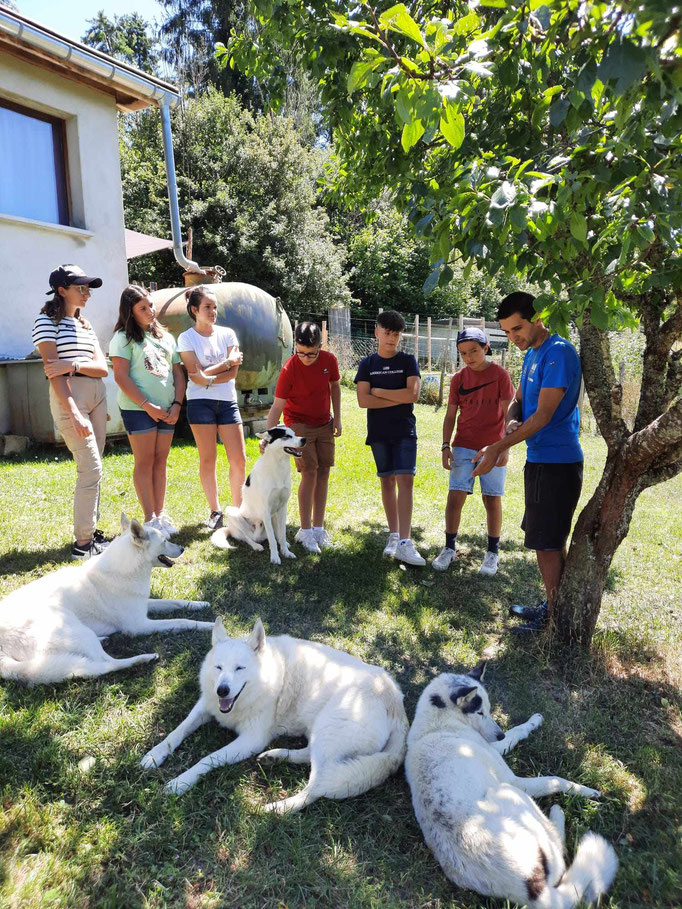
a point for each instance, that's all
(33, 169)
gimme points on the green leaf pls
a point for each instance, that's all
(403, 106)
(452, 126)
(432, 280)
(359, 74)
(412, 133)
(578, 226)
(599, 317)
(398, 19)
(558, 111)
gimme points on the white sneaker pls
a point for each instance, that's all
(307, 540)
(390, 547)
(443, 559)
(322, 538)
(406, 551)
(166, 523)
(155, 524)
(490, 563)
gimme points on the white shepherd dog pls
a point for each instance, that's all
(351, 713)
(263, 512)
(479, 819)
(50, 630)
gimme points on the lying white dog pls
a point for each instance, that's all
(479, 819)
(265, 494)
(50, 629)
(351, 713)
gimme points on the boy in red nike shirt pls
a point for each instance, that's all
(482, 392)
(308, 383)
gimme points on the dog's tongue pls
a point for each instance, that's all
(226, 704)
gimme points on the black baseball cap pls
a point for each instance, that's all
(66, 275)
(472, 334)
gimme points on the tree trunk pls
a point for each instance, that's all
(600, 529)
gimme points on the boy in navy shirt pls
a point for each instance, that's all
(545, 415)
(388, 385)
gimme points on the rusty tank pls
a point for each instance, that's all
(261, 325)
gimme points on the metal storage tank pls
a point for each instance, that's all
(261, 325)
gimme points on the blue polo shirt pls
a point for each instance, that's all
(555, 364)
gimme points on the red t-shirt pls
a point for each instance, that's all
(306, 389)
(478, 396)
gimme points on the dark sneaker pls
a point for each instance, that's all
(529, 613)
(99, 538)
(215, 521)
(533, 627)
(86, 552)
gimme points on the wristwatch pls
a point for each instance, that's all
(444, 446)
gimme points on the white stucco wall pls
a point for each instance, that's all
(30, 249)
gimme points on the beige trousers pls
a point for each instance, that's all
(91, 399)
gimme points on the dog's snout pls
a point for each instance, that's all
(500, 736)
(302, 438)
(223, 691)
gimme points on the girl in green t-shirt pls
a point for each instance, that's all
(151, 385)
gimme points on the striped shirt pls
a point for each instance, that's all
(72, 338)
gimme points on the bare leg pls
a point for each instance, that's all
(158, 754)
(512, 737)
(320, 497)
(493, 508)
(232, 437)
(405, 483)
(205, 437)
(306, 496)
(164, 440)
(390, 502)
(453, 509)
(143, 445)
(551, 565)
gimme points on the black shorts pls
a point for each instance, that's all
(551, 492)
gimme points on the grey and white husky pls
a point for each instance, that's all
(351, 713)
(263, 513)
(479, 819)
(50, 629)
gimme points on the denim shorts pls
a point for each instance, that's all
(492, 483)
(396, 457)
(137, 422)
(206, 411)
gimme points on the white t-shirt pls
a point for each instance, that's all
(209, 351)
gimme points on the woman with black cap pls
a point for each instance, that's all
(75, 365)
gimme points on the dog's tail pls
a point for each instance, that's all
(591, 874)
(220, 539)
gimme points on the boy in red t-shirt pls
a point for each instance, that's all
(482, 392)
(308, 383)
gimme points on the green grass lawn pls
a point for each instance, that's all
(83, 825)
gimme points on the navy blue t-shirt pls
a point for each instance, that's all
(387, 424)
(555, 364)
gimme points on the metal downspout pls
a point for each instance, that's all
(176, 231)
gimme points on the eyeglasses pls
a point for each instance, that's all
(308, 356)
(83, 289)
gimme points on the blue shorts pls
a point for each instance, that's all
(397, 457)
(492, 484)
(207, 412)
(137, 422)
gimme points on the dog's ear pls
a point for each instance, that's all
(257, 637)
(218, 635)
(263, 435)
(138, 533)
(479, 671)
(125, 523)
(460, 696)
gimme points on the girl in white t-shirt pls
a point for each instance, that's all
(212, 357)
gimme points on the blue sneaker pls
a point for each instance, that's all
(530, 613)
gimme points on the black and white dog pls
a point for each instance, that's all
(263, 512)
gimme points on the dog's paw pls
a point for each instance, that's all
(176, 787)
(588, 793)
(154, 758)
(536, 721)
(197, 604)
(275, 560)
(274, 754)
(257, 547)
(288, 554)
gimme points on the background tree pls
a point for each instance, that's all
(541, 138)
(247, 185)
(128, 37)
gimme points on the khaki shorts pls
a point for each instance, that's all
(319, 446)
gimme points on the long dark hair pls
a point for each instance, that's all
(194, 296)
(126, 323)
(54, 308)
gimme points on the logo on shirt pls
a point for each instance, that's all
(467, 391)
(325, 371)
(386, 368)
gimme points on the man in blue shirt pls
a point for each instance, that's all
(544, 414)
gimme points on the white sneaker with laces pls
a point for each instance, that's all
(322, 538)
(490, 563)
(406, 552)
(155, 524)
(307, 540)
(443, 559)
(390, 547)
(166, 523)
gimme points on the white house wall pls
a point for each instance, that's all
(31, 249)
